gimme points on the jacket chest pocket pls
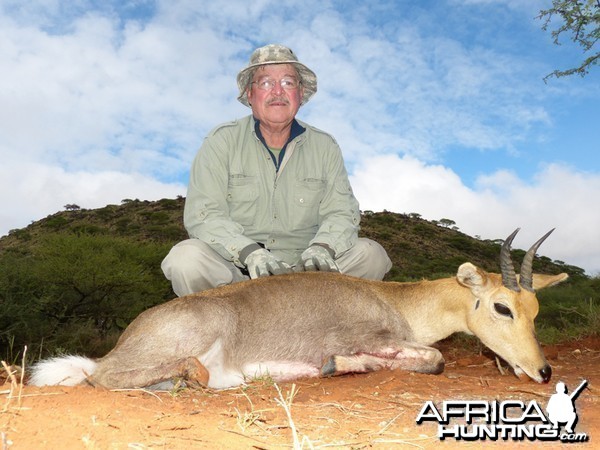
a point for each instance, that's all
(242, 195)
(308, 193)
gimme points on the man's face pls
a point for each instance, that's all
(276, 106)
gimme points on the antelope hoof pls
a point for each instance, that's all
(197, 375)
(435, 364)
(329, 369)
(439, 368)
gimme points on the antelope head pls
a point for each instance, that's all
(504, 308)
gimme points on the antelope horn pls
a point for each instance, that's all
(509, 277)
(526, 278)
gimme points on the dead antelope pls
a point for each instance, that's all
(319, 324)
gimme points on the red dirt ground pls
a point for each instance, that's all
(376, 410)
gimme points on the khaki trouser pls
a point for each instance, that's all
(193, 266)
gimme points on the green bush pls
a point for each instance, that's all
(73, 292)
(56, 222)
(569, 311)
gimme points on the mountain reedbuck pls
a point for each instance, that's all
(319, 324)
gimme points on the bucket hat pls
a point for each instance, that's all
(276, 54)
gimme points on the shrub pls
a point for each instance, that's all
(93, 284)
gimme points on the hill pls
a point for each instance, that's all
(74, 280)
(418, 248)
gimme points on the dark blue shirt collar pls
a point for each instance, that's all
(295, 131)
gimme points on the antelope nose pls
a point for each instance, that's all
(546, 373)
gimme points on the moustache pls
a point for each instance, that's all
(278, 100)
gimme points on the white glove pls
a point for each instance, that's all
(317, 257)
(262, 263)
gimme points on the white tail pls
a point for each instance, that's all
(64, 370)
(319, 324)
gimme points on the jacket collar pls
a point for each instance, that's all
(296, 130)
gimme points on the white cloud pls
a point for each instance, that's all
(418, 94)
(44, 190)
(558, 197)
(104, 90)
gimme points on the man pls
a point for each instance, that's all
(267, 193)
(561, 408)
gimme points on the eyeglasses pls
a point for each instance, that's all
(266, 84)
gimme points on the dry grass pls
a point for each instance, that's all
(286, 404)
(322, 424)
(14, 392)
(16, 387)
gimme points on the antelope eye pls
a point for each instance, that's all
(503, 310)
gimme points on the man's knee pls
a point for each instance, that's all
(368, 259)
(182, 258)
(376, 257)
(192, 266)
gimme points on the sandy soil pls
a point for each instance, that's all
(376, 410)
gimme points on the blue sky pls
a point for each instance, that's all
(439, 106)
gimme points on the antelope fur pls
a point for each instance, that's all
(316, 324)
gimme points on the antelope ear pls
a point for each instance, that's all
(541, 281)
(471, 276)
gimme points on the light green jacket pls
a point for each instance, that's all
(236, 197)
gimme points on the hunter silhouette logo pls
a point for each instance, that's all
(509, 419)
(561, 406)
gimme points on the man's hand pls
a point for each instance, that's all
(318, 257)
(262, 263)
